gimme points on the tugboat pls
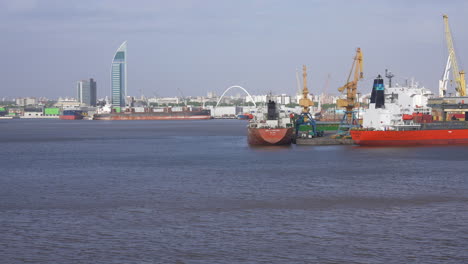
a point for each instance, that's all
(271, 128)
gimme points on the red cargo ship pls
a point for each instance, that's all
(166, 114)
(410, 137)
(399, 116)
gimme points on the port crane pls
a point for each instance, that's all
(458, 75)
(350, 102)
(305, 102)
(445, 78)
(305, 124)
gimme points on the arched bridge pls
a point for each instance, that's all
(236, 86)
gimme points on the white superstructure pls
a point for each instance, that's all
(260, 118)
(399, 101)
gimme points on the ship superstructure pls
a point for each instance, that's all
(394, 108)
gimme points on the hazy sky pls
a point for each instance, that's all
(209, 45)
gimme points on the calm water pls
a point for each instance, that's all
(195, 192)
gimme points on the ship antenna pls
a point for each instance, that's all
(389, 75)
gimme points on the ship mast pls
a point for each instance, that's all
(305, 102)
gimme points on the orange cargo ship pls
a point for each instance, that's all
(272, 127)
(270, 136)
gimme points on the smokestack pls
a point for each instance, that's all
(372, 97)
(379, 92)
(271, 110)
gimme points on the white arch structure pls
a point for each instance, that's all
(236, 86)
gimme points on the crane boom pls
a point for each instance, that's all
(459, 76)
(351, 86)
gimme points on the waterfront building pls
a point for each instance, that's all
(119, 76)
(26, 101)
(87, 93)
(283, 99)
(67, 103)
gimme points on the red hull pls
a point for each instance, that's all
(70, 117)
(267, 136)
(148, 117)
(413, 137)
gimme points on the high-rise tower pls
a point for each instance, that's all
(119, 76)
(87, 92)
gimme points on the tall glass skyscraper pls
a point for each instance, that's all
(119, 76)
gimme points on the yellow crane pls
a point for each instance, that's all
(351, 88)
(459, 76)
(305, 102)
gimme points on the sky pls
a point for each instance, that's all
(188, 47)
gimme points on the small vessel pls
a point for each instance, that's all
(71, 115)
(167, 113)
(399, 116)
(245, 116)
(270, 127)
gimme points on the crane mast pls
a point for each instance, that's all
(305, 102)
(351, 88)
(305, 125)
(459, 76)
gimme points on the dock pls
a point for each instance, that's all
(325, 140)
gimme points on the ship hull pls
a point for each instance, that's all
(410, 138)
(202, 115)
(70, 117)
(270, 136)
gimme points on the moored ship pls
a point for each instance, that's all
(271, 128)
(167, 113)
(245, 116)
(71, 115)
(399, 116)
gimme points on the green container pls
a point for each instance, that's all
(117, 109)
(305, 128)
(327, 127)
(52, 111)
(2, 109)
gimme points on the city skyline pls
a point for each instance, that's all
(209, 46)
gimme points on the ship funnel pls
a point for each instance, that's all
(378, 93)
(271, 110)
